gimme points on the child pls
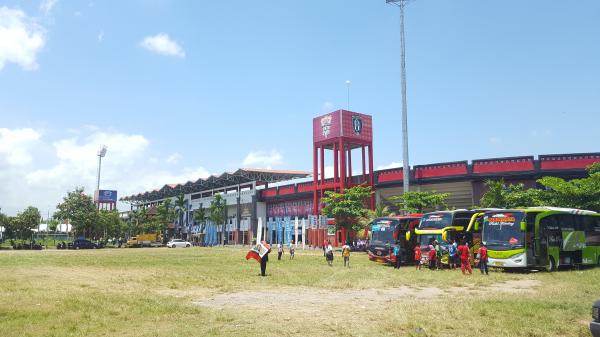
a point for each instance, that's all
(346, 254)
(292, 250)
(483, 259)
(432, 257)
(329, 254)
(279, 250)
(418, 256)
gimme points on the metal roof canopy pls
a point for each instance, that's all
(241, 176)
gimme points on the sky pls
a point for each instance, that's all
(179, 90)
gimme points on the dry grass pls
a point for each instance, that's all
(215, 292)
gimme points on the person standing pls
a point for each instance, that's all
(279, 250)
(452, 251)
(464, 252)
(438, 255)
(346, 255)
(418, 257)
(292, 250)
(432, 257)
(397, 255)
(329, 254)
(483, 259)
(324, 248)
(264, 259)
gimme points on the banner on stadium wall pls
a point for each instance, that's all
(299, 208)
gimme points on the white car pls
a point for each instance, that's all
(178, 243)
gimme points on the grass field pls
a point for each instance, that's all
(215, 292)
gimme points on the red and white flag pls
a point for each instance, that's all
(258, 251)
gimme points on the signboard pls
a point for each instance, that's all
(343, 123)
(105, 196)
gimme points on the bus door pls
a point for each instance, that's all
(530, 248)
(550, 237)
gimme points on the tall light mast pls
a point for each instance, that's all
(405, 163)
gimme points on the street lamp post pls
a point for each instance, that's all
(101, 154)
(405, 164)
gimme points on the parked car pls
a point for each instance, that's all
(82, 244)
(178, 243)
(595, 324)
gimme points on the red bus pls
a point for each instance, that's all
(387, 232)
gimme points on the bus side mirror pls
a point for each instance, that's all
(407, 235)
(523, 226)
(444, 235)
(476, 226)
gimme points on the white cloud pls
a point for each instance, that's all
(15, 146)
(21, 39)
(393, 164)
(100, 36)
(174, 159)
(47, 5)
(162, 44)
(263, 159)
(38, 171)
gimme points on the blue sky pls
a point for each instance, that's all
(241, 81)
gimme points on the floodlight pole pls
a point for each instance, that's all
(101, 154)
(405, 162)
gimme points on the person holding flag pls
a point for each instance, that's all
(260, 253)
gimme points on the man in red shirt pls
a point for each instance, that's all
(418, 257)
(432, 257)
(483, 259)
(463, 252)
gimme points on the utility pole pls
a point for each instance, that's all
(405, 163)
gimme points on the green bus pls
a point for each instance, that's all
(541, 238)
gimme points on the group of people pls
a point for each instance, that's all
(328, 253)
(456, 254)
(291, 247)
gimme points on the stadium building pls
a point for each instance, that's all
(276, 198)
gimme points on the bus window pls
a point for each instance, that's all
(591, 226)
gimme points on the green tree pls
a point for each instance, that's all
(217, 214)
(139, 219)
(166, 215)
(577, 193)
(181, 208)
(25, 221)
(110, 224)
(418, 202)
(200, 216)
(4, 223)
(79, 209)
(53, 224)
(501, 195)
(349, 208)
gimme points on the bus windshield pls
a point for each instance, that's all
(427, 239)
(436, 221)
(502, 230)
(382, 231)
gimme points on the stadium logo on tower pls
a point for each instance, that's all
(357, 124)
(326, 125)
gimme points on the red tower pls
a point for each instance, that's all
(341, 132)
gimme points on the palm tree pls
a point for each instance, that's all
(217, 214)
(200, 217)
(166, 213)
(181, 208)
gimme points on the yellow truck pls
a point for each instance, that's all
(145, 240)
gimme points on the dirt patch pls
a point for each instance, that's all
(308, 299)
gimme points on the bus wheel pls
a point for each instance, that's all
(551, 264)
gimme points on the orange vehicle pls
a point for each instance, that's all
(387, 232)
